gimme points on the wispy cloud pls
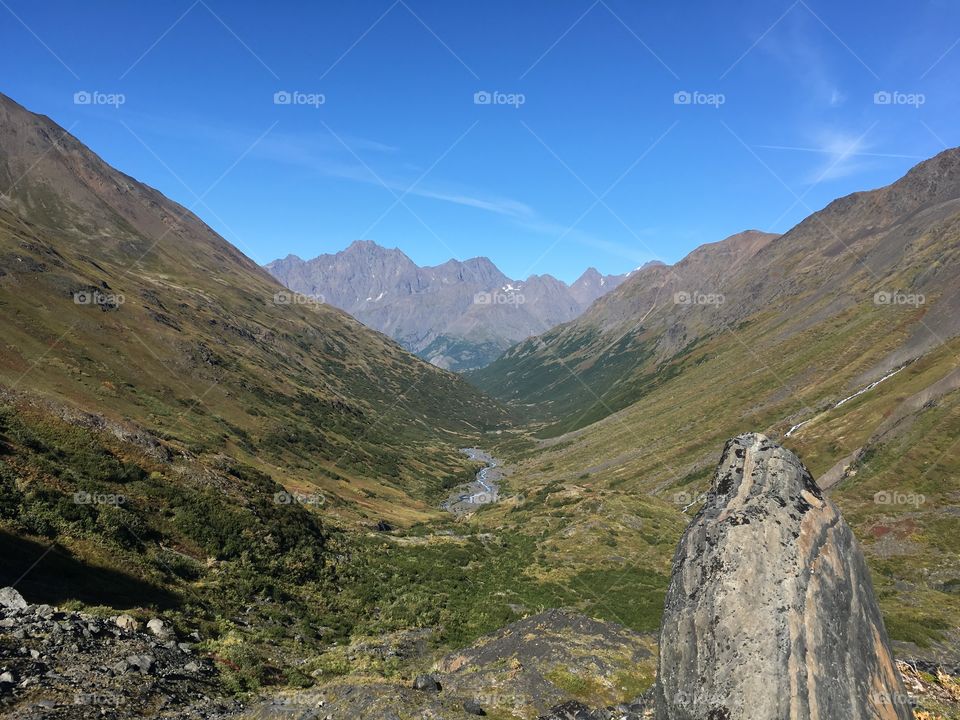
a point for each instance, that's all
(321, 153)
(435, 190)
(799, 47)
(844, 154)
(837, 98)
(383, 166)
(501, 206)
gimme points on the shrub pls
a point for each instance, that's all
(10, 495)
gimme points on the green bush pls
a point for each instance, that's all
(10, 496)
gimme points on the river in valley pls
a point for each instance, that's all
(482, 490)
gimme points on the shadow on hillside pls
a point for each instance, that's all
(54, 576)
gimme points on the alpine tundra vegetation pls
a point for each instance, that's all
(433, 361)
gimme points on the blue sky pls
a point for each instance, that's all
(587, 156)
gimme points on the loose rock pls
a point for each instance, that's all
(144, 663)
(426, 683)
(159, 628)
(473, 708)
(10, 598)
(126, 623)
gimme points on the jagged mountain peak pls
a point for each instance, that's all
(590, 272)
(371, 246)
(290, 257)
(460, 314)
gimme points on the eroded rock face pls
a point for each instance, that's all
(770, 613)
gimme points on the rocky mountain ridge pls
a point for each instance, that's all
(458, 315)
(891, 251)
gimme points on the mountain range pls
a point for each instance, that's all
(172, 434)
(185, 437)
(839, 338)
(459, 315)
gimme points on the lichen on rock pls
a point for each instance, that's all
(770, 612)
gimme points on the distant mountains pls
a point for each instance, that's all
(118, 301)
(886, 256)
(839, 338)
(458, 315)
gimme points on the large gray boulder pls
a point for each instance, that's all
(770, 613)
(10, 598)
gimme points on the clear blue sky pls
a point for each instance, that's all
(798, 125)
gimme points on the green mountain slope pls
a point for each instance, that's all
(176, 433)
(116, 299)
(638, 395)
(601, 362)
(898, 241)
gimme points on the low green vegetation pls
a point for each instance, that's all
(216, 551)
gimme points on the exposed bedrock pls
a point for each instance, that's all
(770, 613)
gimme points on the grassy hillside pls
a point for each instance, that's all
(179, 434)
(118, 301)
(637, 403)
(889, 254)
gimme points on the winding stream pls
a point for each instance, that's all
(482, 490)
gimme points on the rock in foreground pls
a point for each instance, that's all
(770, 611)
(65, 665)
